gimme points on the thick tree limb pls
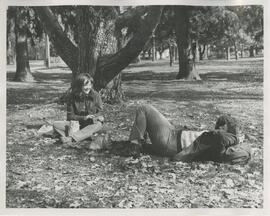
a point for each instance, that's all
(109, 66)
(64, 47)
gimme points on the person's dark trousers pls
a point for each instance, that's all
(217, 145)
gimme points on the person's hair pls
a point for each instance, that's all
(78, 83)
(232, 126)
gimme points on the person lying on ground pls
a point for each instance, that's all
(219, 145)
(83, 107)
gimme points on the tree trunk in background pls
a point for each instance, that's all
(87, 31)
(235, 51)
(105, 66)
(108, 44)
(251, 51)
(175, 53)
(257, 50)
(228, 53)
(23, 73)
(10, 58)
(184, 44)
(160, 54)
(241, 51)
(47, 50)
(149, 52)
(171, 53)
(153, 48)
(197, 53)
(202, 51)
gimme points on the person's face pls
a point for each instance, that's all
(87, 87)
(224, 127)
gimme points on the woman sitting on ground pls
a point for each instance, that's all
(83, 106)
(217, 145)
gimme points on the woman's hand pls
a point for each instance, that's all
(100, 118)
(89, 117)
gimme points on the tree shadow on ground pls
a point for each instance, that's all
(148, 75)
(192, 95)
(32, 96)
(247, 76)
(46, 77)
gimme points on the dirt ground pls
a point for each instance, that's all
(41, 173)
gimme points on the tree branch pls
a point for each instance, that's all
(64, 47)
(109, 66)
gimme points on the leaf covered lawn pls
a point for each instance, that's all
(41, 173)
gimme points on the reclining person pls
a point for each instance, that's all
(217, 145)
(83, 106)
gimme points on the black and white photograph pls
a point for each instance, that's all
(138, 106)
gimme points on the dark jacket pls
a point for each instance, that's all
(79, 106)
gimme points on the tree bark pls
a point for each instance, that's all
(197, 52)
(23, 73)
(63, 45)
(184, 44)
(242, 50)
(108, 66)
(160, 54)
(251, 51)
(88, 28)
(153, 48)
(47, 50)
(202, 51)
(171, 53)
(10, 58)
(228, 53)
(235, 51)
(175, 53)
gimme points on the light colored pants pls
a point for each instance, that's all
(161, 132)
(84, 133)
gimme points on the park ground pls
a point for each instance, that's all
(41, 173)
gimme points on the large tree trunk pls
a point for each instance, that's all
(186, 58)
(107, 66)
(23, 73)
(87, 31)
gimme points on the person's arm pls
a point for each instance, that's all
(191, 153)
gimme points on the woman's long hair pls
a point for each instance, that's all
(78, 83)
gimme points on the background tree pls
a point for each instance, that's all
(251, 21)
(184, 43)
(26, 28)
(83, 56)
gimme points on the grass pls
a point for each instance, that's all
(41, 173)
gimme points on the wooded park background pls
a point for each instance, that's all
(193, 63)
